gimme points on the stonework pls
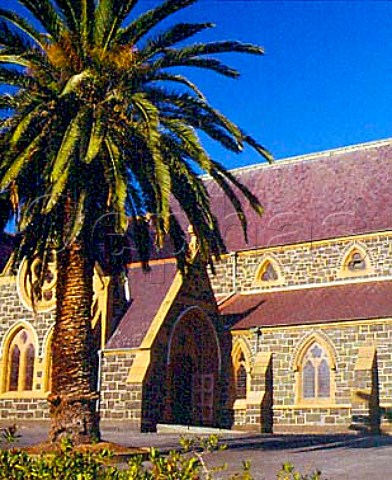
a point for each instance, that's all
(304, 265)
(178, 359)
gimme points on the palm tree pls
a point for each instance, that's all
(101, 129)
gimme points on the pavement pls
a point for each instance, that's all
(339, 457)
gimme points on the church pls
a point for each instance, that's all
(291, 332)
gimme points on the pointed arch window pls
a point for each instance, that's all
(241, 380)
(20, 361)
(240, 369)
(356, 263)
(316, 374)
(268, 273)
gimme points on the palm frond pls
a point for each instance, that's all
(109, 16)
(218, 47)
(171, 59)
(14, 166)
(11, 38)
(97, 136)
(167, 77)
(61, 164)
(250, 197)
(45, 13)
(16, 78)
(14, 60)
(139, 27)
(176, 34)
(259, 148)
(24, 124)
(86, 22)
(161, 180)
(189, 106)
(70, 11)
(23, 26)
(76, 221)
(117, 185)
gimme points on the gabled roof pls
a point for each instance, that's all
(355, 301)
(346, 191)
(148, 291)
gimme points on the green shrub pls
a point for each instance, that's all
(69, 464)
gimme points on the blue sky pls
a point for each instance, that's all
(324, 82)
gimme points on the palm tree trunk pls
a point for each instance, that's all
(73, 396)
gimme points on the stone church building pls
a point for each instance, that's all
(291, 333)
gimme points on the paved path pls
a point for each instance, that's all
(339, 457)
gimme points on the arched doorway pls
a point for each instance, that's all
(193, 370)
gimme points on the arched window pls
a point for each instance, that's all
(241, 382)
(20, 361)
(240, 370)
(268, 272)
(315, 374)
(356, 262)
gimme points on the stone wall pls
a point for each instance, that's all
(23, 409)
(120, 400)
(26, 405)
(12, 310)
(345, 339)
(303, 264)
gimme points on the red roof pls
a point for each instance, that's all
(353, 301)
(335, 193)
(148, 290)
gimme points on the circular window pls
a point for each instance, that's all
(32, 296)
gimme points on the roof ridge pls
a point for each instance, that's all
(310, 156)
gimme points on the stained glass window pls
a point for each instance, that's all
(21, 359)
(14, 368)
(316, 374)
(241, 379)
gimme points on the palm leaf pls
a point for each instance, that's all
(176, 34)
(97, 136)
(139, 27)
(20, 162)
(24, 124)
(11, 38)
(163, 76)
(70, 11)
(22, 25)
(48, 17)
(65, 155)
(87, 9)
(118, 185)
(173, 60)
(16, 78)
(109, 15)
(218, 47)
(76, 222)
(14, 60)
(162, 182)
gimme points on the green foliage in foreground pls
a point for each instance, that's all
(69, 464)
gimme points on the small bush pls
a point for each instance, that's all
(69, 464)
